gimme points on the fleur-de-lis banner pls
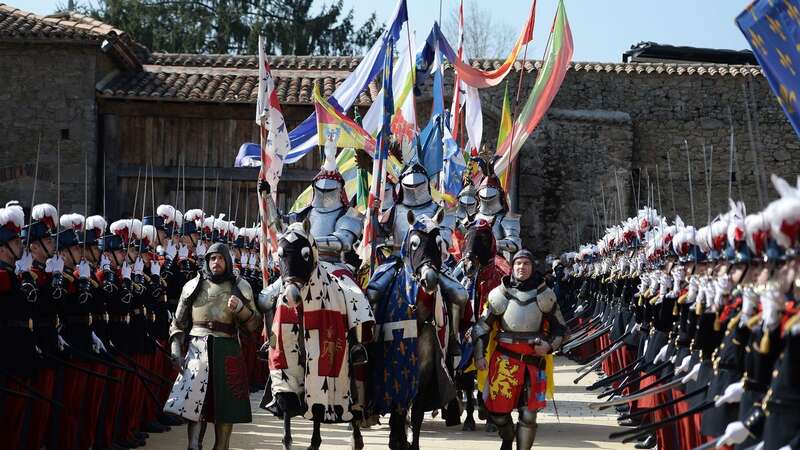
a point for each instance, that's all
(772, 27)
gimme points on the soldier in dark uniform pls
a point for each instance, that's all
(17, 360)
(45, 320)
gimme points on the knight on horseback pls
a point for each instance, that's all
(493, 207)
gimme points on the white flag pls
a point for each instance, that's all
(270, 118)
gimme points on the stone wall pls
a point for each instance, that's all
(48, 91)
(664, 110)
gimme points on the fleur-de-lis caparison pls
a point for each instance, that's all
(786, 61)
(792, 10)
(758, 42)
(752, 11)
(787, 99)
(776, 27)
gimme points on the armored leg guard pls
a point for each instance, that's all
(193, 432)
(505, 428)
(222, 435)
(526, 429)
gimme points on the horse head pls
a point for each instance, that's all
(480, 246)
(297, 256)
(423, 248)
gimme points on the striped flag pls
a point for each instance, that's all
(554, 68)
(331, 122)
(504, 133)
(484, 78)
(368, 244)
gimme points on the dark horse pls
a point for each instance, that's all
(480, 270)
(411, 296)
(294, 353)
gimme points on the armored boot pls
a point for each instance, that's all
(222, 435)
(526, 429)
(505, 428)
(193, 430)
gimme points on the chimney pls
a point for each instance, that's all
(71, 5)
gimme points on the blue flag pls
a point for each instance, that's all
(773, 30)
(429, 141)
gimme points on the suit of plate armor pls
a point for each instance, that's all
(415, 196)
(519, 316)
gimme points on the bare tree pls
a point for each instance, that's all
(484, 35)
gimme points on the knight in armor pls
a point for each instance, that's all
(335, 226)
(213, 384)
(414, 195)
(524, 312)
(464, 214)
(493, 208)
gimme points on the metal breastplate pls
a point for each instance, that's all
(211, 305)
(522, 315)
(323, 223)
(400, 224)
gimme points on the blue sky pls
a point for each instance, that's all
(602, 29)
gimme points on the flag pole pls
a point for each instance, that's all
(513, 165)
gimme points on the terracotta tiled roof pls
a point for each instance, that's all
(635, 67)
(222, 84)
(336, 63)
(15, 23)
(349, 63)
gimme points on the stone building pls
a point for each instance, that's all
(615, 138)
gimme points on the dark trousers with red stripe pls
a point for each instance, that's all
(72, 396)
(90, 411)
(39, 430)
(109, 409)
(131, 415)
(13, 407)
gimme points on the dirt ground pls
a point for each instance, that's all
(575, 427)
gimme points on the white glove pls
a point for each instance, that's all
(62, 344)
(722, 287)
(171, 251)
(691, 293)
(733, 394)
(684, 367)
(772, 305)
(749, 304)
(54, 264)
(735, 433)
(678, 273)
(126, 271)
(97, 344)
(155, 269)
(251, 261)
(138, 266)
(84, 270)
(183, 252)
(243, 259)
(200, 250)
(105, 263)
(662, 354)
(24, 264)
(692, 374)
